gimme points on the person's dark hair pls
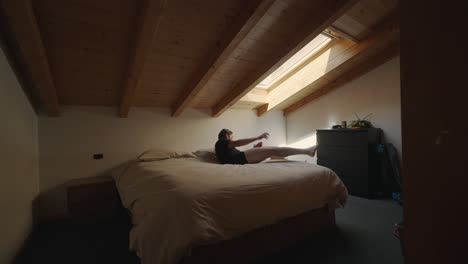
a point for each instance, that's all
(222, 134)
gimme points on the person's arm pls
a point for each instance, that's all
(246, 141)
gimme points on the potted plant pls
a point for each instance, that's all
(360, 123)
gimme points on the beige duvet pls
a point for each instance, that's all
(178, 203)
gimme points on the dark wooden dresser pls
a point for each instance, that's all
(351, 154)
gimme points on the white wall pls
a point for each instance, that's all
(67, 143)
(377, 92)
(19, 180)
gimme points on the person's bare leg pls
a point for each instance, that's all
(257, 155)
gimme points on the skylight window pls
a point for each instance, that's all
(302, 55)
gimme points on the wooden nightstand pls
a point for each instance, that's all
(94, 200)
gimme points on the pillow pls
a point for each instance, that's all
(206, 155)
(162, 154)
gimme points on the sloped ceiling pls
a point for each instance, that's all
(174, 53)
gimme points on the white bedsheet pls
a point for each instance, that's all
(177, 203)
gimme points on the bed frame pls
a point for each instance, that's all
(96, 200)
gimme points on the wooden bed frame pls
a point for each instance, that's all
(96, 200)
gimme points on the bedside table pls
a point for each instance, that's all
(94, 199)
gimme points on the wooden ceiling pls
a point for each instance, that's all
(187, 53)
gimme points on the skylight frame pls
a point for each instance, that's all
(298, 61)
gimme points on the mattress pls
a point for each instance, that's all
(178, 203)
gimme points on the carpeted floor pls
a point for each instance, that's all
(364, 236)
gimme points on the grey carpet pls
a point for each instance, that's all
(364, 236)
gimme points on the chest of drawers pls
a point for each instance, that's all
(351, 154)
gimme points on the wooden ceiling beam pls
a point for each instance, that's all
(147, 29)
(359, 67)
(244, 23)
(23, 23)
(325, 16)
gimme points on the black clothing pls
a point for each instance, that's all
(227, 155)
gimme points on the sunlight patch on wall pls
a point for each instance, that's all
(333, 120)
(304, 142)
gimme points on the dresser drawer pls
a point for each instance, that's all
(352, 153)
(341, 138)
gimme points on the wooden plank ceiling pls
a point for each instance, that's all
(189, 53)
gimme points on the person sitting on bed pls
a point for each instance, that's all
(227, 153)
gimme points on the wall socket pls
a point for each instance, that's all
(98, 156)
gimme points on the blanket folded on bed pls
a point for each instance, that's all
(177, 203)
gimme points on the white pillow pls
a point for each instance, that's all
(207, 155)
(162, 154)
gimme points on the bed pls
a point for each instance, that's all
(184, 208)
